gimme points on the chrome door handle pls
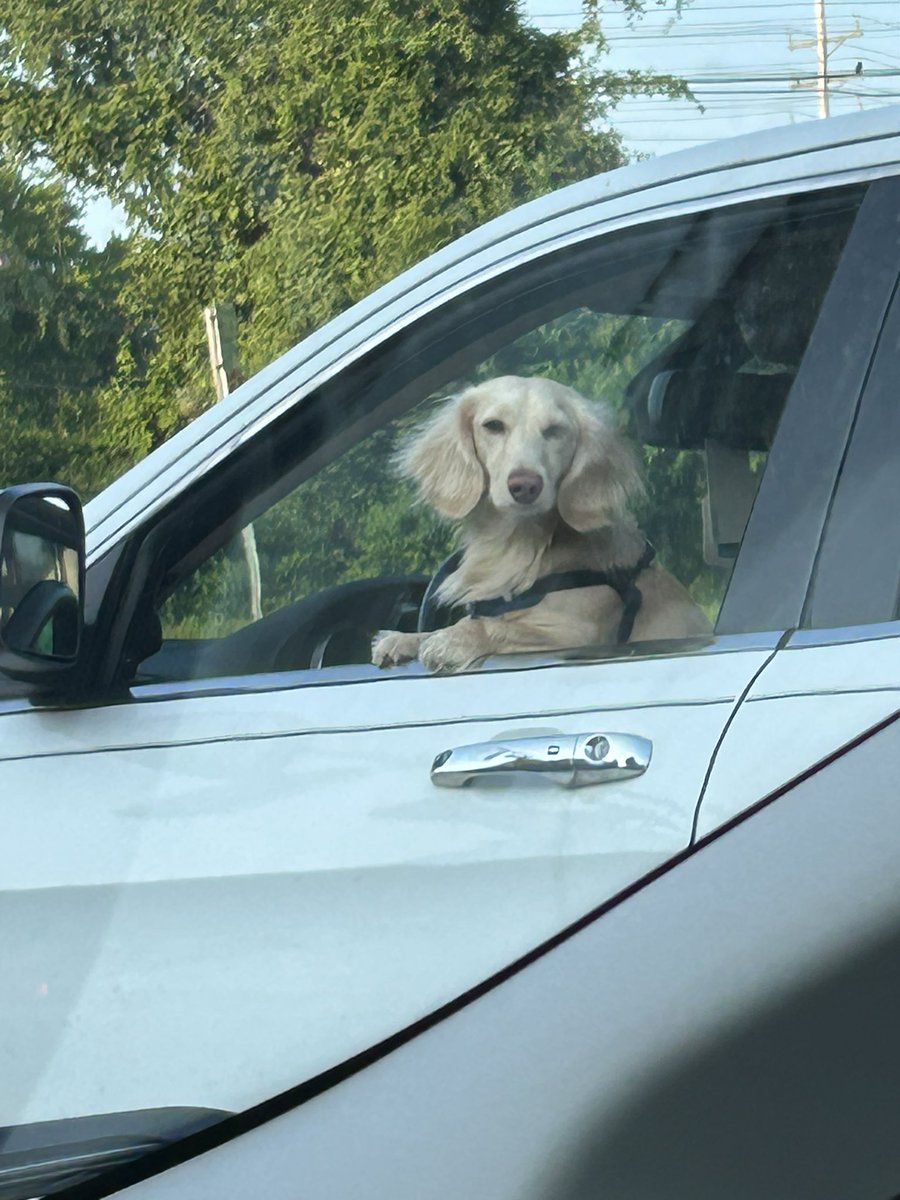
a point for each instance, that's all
(574, 761)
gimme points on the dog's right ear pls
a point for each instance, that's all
(441, 458)
(605, 474)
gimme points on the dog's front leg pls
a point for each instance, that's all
(457, 647)
(390, 649)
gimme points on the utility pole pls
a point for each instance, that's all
(221, 339)
(821, 58)
(821, 42)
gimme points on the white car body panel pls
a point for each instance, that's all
(269, 883)
(807, 703)
(721, 1033)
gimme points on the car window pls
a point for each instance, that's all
(689, 332)
(357, 518)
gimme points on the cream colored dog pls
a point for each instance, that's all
(541, 482)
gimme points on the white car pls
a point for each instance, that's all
(236, 914)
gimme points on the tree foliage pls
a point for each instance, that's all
(289, 155)
(61, 325)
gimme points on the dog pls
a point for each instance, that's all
(541, 482)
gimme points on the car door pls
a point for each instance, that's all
(222, 883)
(838, 674)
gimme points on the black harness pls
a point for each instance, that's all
(433, 615)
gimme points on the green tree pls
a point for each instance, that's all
(61, 327)
(291, 155)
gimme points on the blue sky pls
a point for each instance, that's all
(738, 57)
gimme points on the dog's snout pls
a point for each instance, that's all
(525, 486)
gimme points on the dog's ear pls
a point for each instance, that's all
(441, 458)
(604, 476)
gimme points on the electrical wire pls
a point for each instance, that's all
(692, 8)
(730, 30)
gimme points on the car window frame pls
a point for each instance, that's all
(421, 342)
(857, 578)
(803, 471)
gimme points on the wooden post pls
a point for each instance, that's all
(221, 339)
(822, 58)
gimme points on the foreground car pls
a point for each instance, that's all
(227, 873)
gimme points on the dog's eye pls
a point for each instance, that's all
(494, 426)
(554, 431)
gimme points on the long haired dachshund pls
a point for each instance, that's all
(541, 483)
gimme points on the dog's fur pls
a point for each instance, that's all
(576, 476)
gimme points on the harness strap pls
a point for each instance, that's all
(620, 579)
(429, 608)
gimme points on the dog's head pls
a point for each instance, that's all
(526, 446)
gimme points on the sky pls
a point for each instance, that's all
(745, 60)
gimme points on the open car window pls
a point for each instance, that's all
(691, 330)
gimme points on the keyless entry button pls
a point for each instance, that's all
(596, 748)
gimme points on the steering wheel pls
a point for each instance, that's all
(336, 627)
(332, 628)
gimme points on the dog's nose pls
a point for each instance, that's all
(525, 486)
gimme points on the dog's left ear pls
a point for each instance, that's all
(604, 476)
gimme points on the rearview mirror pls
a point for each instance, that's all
(41, 580)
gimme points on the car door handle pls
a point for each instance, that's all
(576, 760)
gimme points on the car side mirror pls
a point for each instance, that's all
(41, 581)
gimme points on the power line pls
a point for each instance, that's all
(786, 92)
(666, 30)
(776, 66)
(719, 8)
(783, 77)
(881, 54)
(674, 27)
(725, 109)
(709, 33)
(711, 39)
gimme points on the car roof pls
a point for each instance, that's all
(816, 154)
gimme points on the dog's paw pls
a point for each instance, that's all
(392, 649)
(450, 650)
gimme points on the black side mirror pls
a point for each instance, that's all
(41, 581)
